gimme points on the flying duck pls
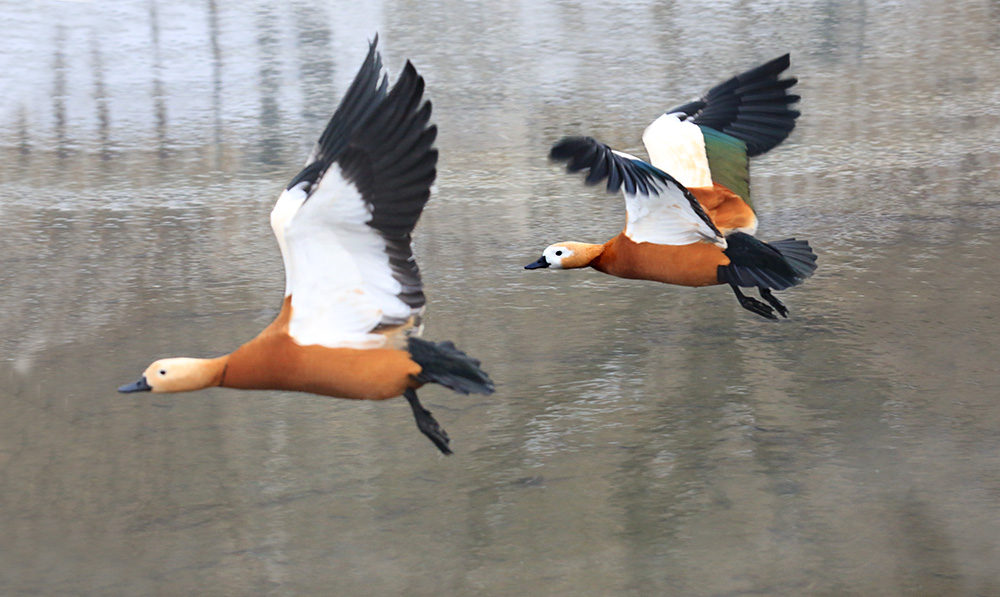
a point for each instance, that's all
(350, 321)
(689, 217)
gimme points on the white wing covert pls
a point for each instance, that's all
(678, 148)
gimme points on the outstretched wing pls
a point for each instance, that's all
(710, 139)
(752, 107)
(344, 222)
(660, 209)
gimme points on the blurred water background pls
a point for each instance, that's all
(644, 439)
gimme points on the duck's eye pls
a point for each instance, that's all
(558, 253)
(163, 371)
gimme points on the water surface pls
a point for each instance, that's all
(644, 439)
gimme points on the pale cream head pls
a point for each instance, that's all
(179, 374)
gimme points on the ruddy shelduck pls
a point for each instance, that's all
(350, 320)
(689, 217)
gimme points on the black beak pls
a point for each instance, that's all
(139, 386)
(540, 263)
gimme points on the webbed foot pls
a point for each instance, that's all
(778, 305)
(753, 305)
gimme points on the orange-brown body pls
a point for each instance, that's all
(684, 265)
(274, 361)
(695, 264)
(727, 209)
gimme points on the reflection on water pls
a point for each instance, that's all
(644, 440)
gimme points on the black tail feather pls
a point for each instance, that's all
(776, 266)
(799, 255)
(443, 363)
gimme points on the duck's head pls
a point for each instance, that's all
(179, 374)
(566, 256)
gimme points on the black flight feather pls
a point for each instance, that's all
(363, 97)
(635, 175)
(381, 141)
(730, 107)
(391, 162)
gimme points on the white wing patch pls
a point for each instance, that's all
(666, 218)
(678, 148)
(336, 267)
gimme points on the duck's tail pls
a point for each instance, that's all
(775, 266)
(443, 363)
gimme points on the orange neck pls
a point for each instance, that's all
(215, 369)
(584, 254)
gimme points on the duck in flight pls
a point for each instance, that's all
(690, 221)
(349, 324)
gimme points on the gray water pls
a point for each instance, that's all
(644, 439)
